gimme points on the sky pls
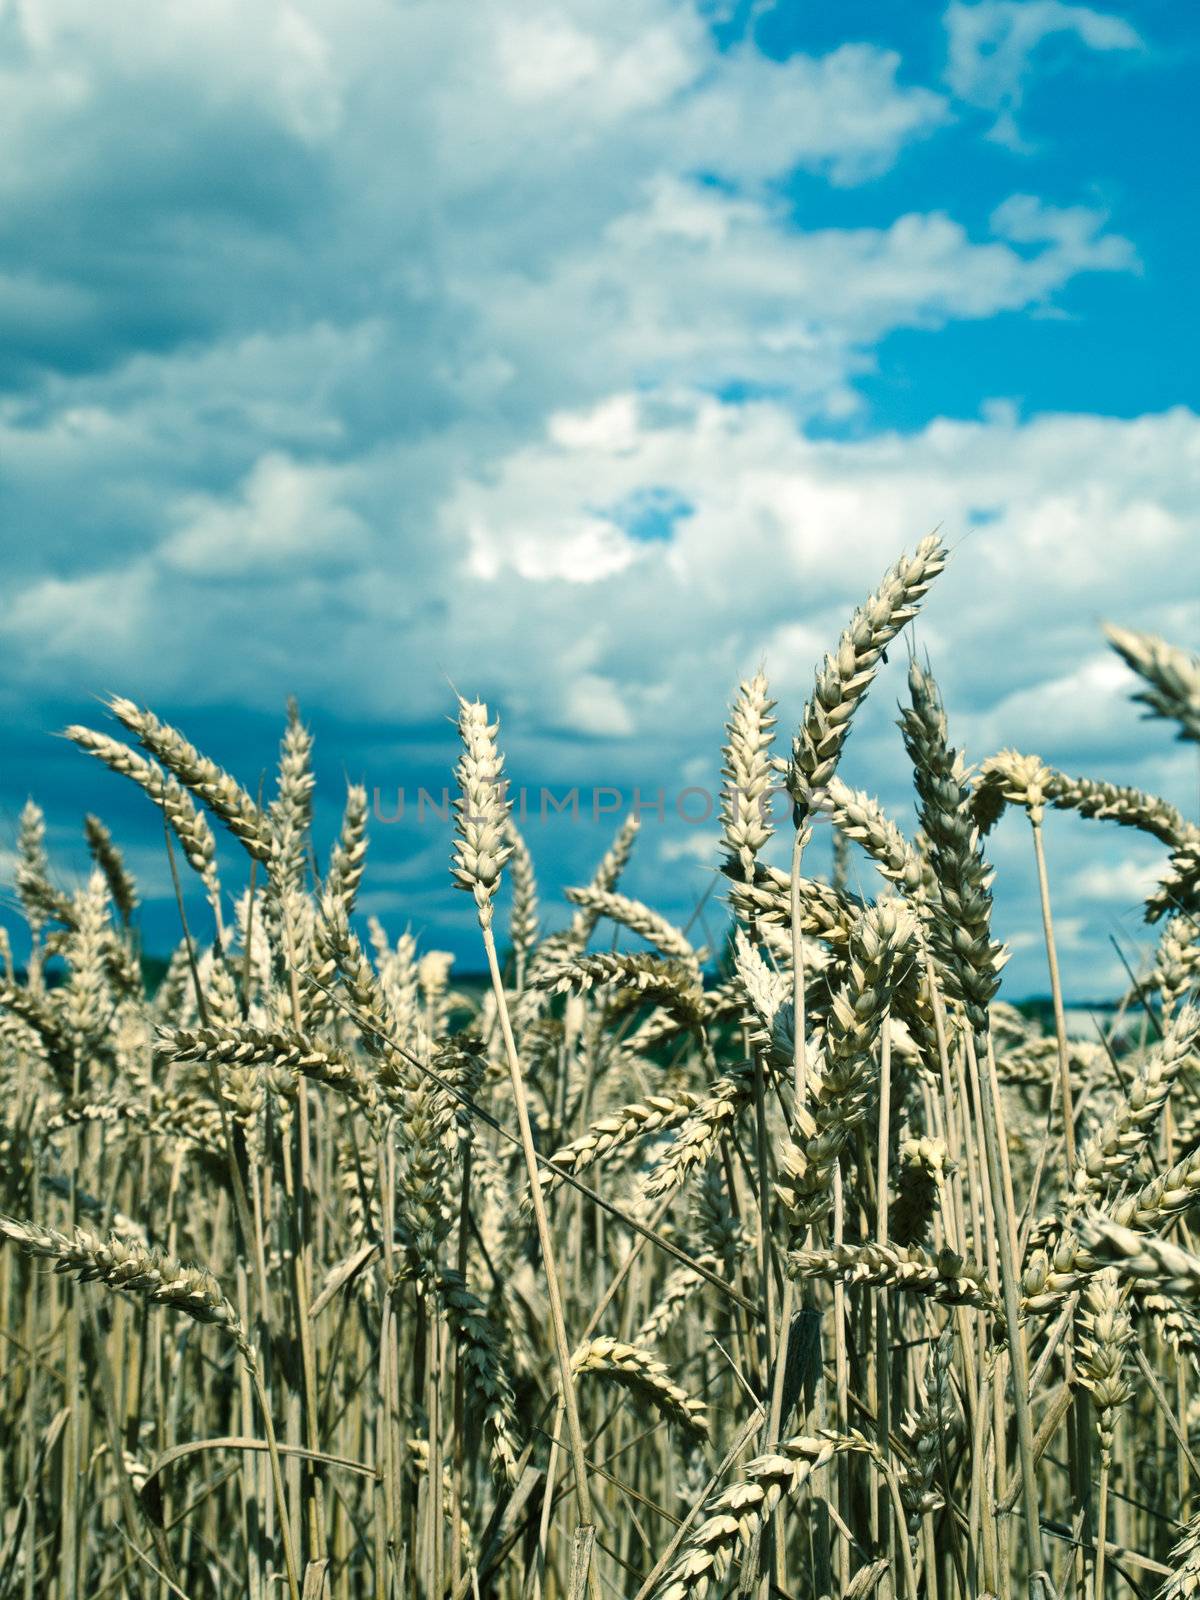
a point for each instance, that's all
(584, 357)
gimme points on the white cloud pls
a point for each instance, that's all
(1080, 699)
(504, 206)
(341, 381)
(272, 53)
(1083, 518)
(992, 45)
(697, 845)
(1126, 880)
(698, 285)
(624, 679)
(100, 617)
(286, 516)
(612, 425)
(582, 550)
(844, 114)
(593, 706)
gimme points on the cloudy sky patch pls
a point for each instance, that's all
(586, 358)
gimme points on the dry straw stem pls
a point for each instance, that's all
(840, 687)
(369, 1198)
(969, 962)
(1171, 677)
(478, 858)
(1025, 780)
(158, 1279)
(645, 1376)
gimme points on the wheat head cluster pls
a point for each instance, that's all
(804, 1267)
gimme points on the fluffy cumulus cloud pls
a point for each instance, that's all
(362, 350)
(992, 45)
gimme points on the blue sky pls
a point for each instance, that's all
(586, 357)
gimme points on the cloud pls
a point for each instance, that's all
(844, 114)
(701, 848)
(235, 169)
(623, 679)
(286, 515)
(992, 44)
(1058, 523)
(350, 349)
(594, 706)
(1127, 879)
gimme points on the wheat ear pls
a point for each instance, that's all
(1171, 678)
(159, 1279)
(223, 795)
(645, 1376)
(480, 852)
(739, 1513)
(746, 796)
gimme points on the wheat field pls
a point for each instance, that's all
(804, 1267)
